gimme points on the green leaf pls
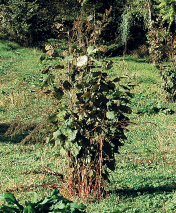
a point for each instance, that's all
(10, 199)
(95, 74)
(56, 134)
(58, 93)
(59, 206)
(86, 95)
(111, 85)
(77, 206)
(49, 80)
(116, 79)
(90, 17)
(7, 209)
(91, 50)
(52, 118)
(67, 85)
(110, 115)
(29, 209)
(69, 58)
(71, 134)
(95, 87)
(75, 149)
(63, 151)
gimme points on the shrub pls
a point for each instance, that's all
(90, 121)
(90, 125)
(168, 74)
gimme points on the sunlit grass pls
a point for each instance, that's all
(145, 177)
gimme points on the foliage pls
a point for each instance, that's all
(167, 11)
(168, 73)
(160, 45)
(136, 16)
(90, 125)
(30, 22)
(53, 203)
(90, 129)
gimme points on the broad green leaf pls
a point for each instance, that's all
(95, 74)
(35, 198)
(111, 85)
(116, 79)
(75, 149)
(49, 80)
(87, 94)
(90, 17)
(29, 209)
(63, 151)
(67, 85)
(57, 142)
(7, 209)
(91, 50)
(69, 58)
(10, 199)
(71, 134)
(61, 114)
(110, 115)
(58, 93)
(52, 118)
(95, 87)
(59, 205)
(77, 206)
(86, 6)
(56, 134)
(82, 60)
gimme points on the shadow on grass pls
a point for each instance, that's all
(9, 45)
(7, 138)
(146, 190)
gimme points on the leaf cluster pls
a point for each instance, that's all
(96, 113)
(53, 203)
(168, 74)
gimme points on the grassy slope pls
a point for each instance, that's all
(145, 177)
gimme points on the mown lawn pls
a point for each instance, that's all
(145, 175)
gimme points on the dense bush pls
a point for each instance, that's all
(168, 74)
(30, 22)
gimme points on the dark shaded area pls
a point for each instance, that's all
(145, 190)
(9, 45)
(8, 138)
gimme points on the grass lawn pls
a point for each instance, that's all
(145, 175)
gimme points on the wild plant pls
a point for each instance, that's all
(90, 123)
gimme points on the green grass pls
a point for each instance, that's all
(145, 176)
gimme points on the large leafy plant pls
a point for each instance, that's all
(53, 203)
(90, 127)
(91, 119)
